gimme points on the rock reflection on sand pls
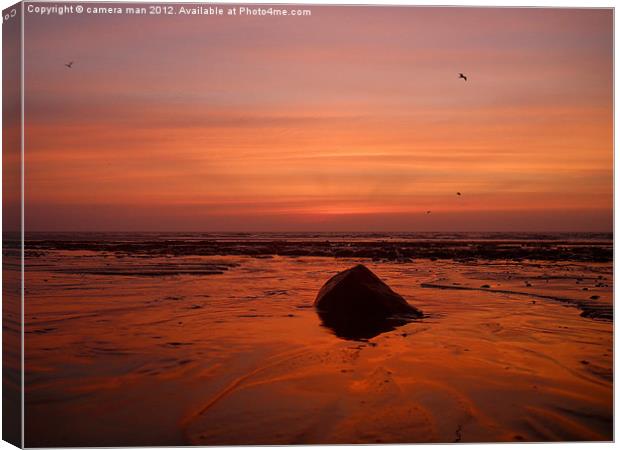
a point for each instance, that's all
(240, 356)
(356, 331)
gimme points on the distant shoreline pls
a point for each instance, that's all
(380, 249)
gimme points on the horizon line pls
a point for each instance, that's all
(314, 231)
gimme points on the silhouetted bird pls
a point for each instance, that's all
(462, 76)
(458, 193)
(69, 65)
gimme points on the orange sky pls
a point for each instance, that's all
(352, 119)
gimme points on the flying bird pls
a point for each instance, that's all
(462, 76)
(69, 65)
(458, 193)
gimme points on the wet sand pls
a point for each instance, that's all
(142, 349)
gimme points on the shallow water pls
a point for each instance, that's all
(228, 350)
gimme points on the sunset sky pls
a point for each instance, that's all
(351, 119)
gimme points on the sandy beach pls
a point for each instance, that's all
(135, 348)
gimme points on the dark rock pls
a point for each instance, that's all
(356, 304)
